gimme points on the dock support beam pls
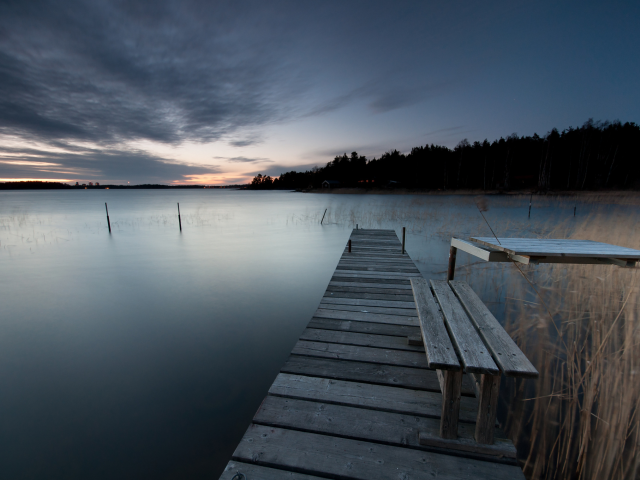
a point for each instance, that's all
(489, 388)
(452, 262)
(349, 245)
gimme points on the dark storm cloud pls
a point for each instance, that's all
(111, 164)
(162, 71)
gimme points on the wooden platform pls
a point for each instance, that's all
(353, 397)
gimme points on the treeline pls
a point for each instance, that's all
(597, 155)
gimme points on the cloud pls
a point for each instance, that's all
(167, 72)
(113, 165)
(245, 160)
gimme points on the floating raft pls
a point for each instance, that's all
(355, 394)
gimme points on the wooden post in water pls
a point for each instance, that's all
(349, 245)
(403, 233)
(574, 210)
(179, 220)
(108, 222)
(530, 198)
(325, 212)
(452, 263)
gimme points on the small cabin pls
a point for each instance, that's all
(330, 184)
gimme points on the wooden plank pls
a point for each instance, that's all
(504, 350)
(257, 472)
(377, 374)
(343, 458)
(372, 280)
(394, 297)
(471, 350)
(358, 339)
(403, 312)
(488, 254)
(380, 275)
(384, 356)
(401, 331)
(362, 288)
(374, 268)
(366, 317)
(369, 303)
(377, 397)
(451, 397)
(439, 350)
(487, 408)
(356, 423)
(365, 285)
(558, 247)
(465, 442)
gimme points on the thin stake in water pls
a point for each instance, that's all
(325, 212)
(179, 220)
(403, 234)
(530, 198)
(108, 222)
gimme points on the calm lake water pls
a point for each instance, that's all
(145, 353)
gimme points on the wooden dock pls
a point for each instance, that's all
(354, 395)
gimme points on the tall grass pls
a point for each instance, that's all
(581, 329)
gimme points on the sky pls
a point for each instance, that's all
(215, 92)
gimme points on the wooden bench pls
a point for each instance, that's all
(460, 335)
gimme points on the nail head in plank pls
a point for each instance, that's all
(439, 350)
(471, 350)
(504, 350)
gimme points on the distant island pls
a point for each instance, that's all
(595, 156)
(38, 185)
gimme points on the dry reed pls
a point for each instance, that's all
(581, 330)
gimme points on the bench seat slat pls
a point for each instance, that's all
(472, 351)
(504, 350)
(440, 352)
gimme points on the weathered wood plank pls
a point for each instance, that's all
(439, 350)
(360, 274)
(377, 374)
(362, 288)
(404, 286)
(403, 312)
(363, 302)
(401, 331)
(257, 472)
(359, 316)
(471, 350)
(465, 442)
(356, 423)
(487, 408)
(374, 268)
(343, 458)
(378, 397)
(358, 339)
(394, 297)
(558, 247)
(451, 397)
(504, 350)
(384, 356)
(372, 280)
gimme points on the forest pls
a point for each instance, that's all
(595, 156)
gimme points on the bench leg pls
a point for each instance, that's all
(451, 386)
(487, 408)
